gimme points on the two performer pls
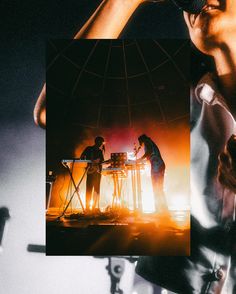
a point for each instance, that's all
(152, 153)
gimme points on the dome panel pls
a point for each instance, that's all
(134, 62)
(183, 61)
(88, 85)
(83, 114)
(153, 56)
(116, 63)
(114, 117)
(98, 92)
(115, 92)
(80, 51)
(61, 44)
(177, 103)
(168, 76)
(55, 105)
(171, 47)
(146, 113)
(51, 52)
(140, 89)
(99, 58)
(117, 43)
(62, 75)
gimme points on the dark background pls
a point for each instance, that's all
(118, 89)
(26, 25)
(25, 28)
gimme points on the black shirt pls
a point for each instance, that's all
(92, 153)
(152, 153)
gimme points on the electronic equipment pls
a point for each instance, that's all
(118, 159)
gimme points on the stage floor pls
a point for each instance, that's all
(118, 233)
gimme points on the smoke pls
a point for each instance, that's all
(172, 140)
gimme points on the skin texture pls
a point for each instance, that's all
(214, 33)
(107, 22)
(109, 19)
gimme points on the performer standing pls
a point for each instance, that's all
(211, 266)
(152, 154)
(95, 154)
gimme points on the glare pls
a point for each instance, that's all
(176, 187)
(91, 204)
(131, 156)
(147, 191)
(179, 202)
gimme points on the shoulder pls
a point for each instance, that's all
(88, 149)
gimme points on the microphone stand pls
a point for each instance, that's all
(76, 190)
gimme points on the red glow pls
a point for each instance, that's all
(174, 144)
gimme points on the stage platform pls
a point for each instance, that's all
(118, 233)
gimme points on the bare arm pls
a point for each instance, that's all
(107, 22)
(109, 19)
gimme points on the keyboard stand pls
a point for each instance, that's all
(76, 188)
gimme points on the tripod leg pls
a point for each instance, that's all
(76, 190)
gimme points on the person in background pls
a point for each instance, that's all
(211, 267)
(153, 155)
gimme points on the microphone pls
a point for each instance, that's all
(103, 149)
(191, 6)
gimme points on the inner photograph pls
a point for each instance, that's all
(118, 147)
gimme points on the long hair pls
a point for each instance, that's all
(143, 138)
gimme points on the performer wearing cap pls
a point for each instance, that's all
(95, 154)
(153, 155)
